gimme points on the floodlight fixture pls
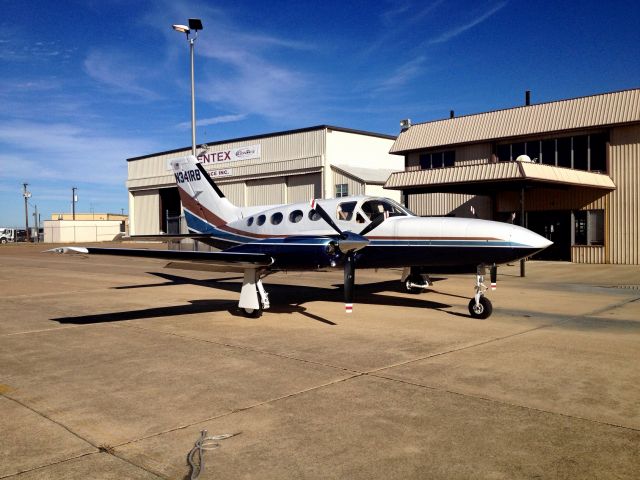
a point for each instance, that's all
(181, 28)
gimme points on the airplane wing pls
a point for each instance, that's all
(168, 237)
(215, 261)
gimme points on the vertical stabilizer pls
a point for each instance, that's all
(204, 204)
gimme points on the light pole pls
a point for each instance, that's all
(74, 199)
(27, 195)
(191, 31)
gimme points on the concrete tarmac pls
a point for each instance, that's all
(110, 368)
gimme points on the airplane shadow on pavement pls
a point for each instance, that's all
(284, 299)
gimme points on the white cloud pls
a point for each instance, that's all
(203, 122)
(118, 71)
(454, 32)
(65, 151)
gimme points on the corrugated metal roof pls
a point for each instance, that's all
(497, 172)
(583, 112)
(365, 175)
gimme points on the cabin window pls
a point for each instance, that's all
(342, 190)
(261, 219)
(588, 227)
(345, 210)
(313, 215)
(249, 221)
(295, 216)
(276, 218)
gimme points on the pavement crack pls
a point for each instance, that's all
(98, 449)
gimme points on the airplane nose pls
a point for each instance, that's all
(524, 238)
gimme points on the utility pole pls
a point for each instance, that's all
(74, 199)
(26, 194)
(37, 223)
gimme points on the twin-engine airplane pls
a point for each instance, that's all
(347, 232)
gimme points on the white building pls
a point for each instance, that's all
(283, 167)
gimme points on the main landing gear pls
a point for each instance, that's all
(480, 306)
(253, 297)
(414, 281)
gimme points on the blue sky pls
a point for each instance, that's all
(86, 84)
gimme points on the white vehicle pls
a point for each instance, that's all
(7, 235)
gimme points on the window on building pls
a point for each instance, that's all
(581, 152)
(342, 190)
(533, 150)
(548, 154)
(588, 227)
(437, 159)
(517, 149)
(598, 152)
(563, 148)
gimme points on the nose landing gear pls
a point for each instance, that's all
(480, 306)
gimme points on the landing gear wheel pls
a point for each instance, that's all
(482, 310)
(251, 312)
(413, 280)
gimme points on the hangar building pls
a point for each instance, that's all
(569, 170)
(284, 167)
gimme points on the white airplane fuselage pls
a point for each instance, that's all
(298, 239)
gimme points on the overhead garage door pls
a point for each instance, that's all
(234, 192)
(303, 188)
(266, 191)
(146, 206)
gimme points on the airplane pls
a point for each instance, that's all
(346, 232)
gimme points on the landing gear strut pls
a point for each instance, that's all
(480, 306)
(253, 297)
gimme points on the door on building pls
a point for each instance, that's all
(555, 226)
(170, 210)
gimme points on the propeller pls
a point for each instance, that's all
(348, 243)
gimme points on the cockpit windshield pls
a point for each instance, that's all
(383, 206)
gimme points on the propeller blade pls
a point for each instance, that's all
(349, 280)
(325, 216)
(376, 222)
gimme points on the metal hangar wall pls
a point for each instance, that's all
(569, 170)
(283, 167)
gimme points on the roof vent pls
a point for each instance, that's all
(405, 124)
(527, 98)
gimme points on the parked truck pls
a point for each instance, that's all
(8, 235)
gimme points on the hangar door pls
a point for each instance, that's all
(303, 188)
(146, 205)
(266, 191)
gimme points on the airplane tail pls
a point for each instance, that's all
(205, 206)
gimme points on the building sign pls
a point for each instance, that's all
(232, 155)
(225, 172)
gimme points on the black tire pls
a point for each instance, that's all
(483, 310)
(251, 312)
(3, 240)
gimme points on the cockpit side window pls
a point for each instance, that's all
(373, 208)
(345, 210)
